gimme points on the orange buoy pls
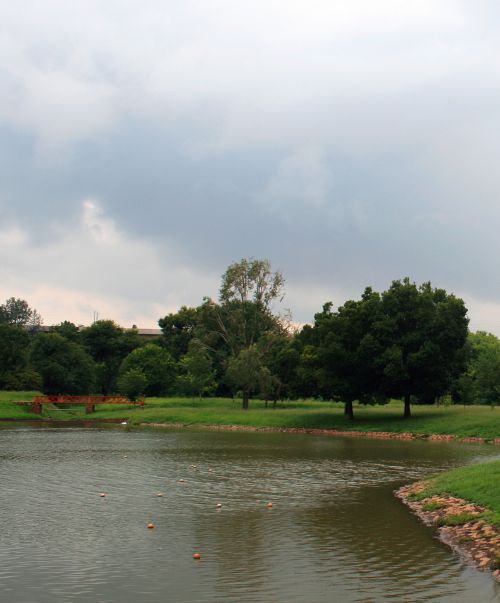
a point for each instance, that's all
(269, 505)
(150, 526)
(196, 556)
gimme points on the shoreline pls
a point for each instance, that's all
(328, 432)
(379, 435)
(475, 541)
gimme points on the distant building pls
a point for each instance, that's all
(143, 333)
(147, 333)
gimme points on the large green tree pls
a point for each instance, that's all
(345, 351)
(196, 371)
(420, 335)
(179, 329)
(157, 366)
(108, 344)
(246, 373)
(65, 366)
(68, 330)
(14, 347)
(480, 383)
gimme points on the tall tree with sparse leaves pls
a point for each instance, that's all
(243, 315)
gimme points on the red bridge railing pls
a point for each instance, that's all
(89, 401)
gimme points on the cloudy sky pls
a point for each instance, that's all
(144, 146)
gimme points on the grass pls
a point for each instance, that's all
(458, 519)
(10, 410)
(432, 506)
(471, 421)
(479, 484)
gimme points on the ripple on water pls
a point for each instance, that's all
(335, 531)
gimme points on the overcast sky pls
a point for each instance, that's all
(144, 146)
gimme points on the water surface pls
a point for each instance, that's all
(335, 532)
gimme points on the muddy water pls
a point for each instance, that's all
(335, 531)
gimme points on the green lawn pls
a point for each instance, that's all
(479, 484)
(9, 410)
(471, 421)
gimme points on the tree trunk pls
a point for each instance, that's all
(348, 410)
(407, 412)
(245, 400)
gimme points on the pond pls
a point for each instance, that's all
(335, 531)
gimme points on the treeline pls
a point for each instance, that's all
(409, 342)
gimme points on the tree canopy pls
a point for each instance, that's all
(64, 366)
(17, 312)
(157, 366)
(108, 344)
(408, 342)
(243, 316)
(421, 335)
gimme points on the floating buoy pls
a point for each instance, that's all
(219, 505)
(196, 556)
(210, 468)
(102, 494)
(269, 505)
(159, 494)
(123, 423)
(181, 481)
(150, 526)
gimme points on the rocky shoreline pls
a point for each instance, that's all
(474, 539)
(379, 435)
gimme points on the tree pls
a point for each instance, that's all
(251, 280)
(14, 345)
(68, 330)
(132, 383)
(243, 314)
(197, 374)
(157, 366)
(299, 361)
(345, 351)
(108, 344)
(280, 362)
(246, 372)
(25, 379)
(17, 312)
(480, 383)
(420, 334)
(178, 330)
(65, 367)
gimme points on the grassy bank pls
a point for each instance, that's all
(471, 421)
(478, 484)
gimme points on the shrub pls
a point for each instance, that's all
(132, 383)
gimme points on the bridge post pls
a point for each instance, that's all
(36, 408)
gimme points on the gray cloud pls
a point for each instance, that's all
(349, 143)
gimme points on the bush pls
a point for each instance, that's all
(133, 384)
(22, 380)
(65, 367)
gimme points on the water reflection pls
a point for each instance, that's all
(335, 531)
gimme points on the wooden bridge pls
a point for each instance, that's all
(35, 406)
